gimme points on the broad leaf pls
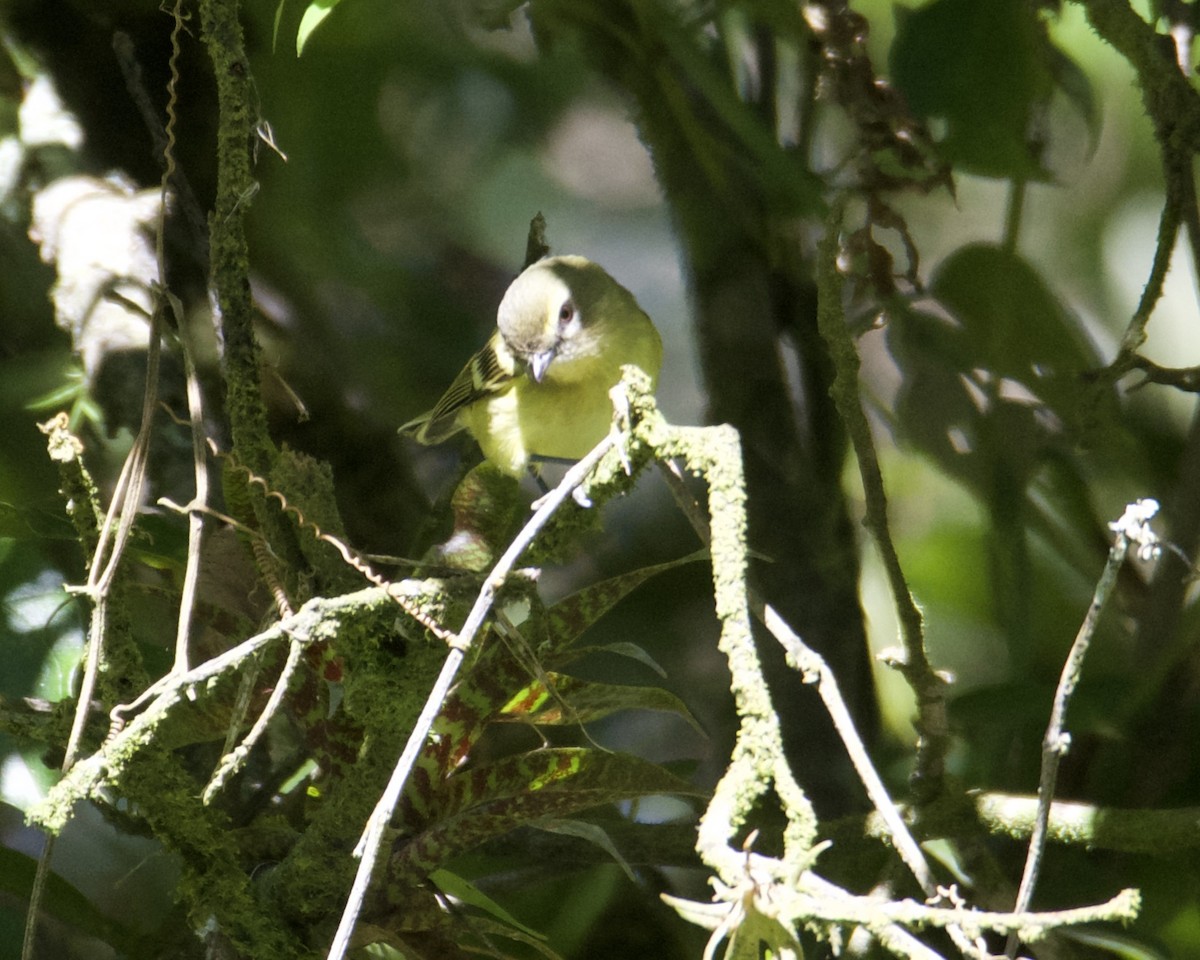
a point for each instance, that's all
(979, 66)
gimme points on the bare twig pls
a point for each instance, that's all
(195, 398)
(127, 496)
(196, 517)
(758, 896)
(1168, 230)
(1132, 528)
(1186, 379)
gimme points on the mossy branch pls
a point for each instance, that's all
(319, 619)
(229, 269)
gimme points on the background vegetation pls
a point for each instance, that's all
(1007, 191)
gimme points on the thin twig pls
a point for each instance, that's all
(811, 663)
(126, 499)
(1135, 333)
(196, 517)
(127, 496)
(36, 892)
(131, 70)
(1132, 527)
(235, 759)
(1186, 379)
(195, 397)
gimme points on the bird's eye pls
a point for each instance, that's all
(566, 312)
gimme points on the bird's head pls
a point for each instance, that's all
(546, 311)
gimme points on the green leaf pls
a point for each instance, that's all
(19, 523)
(1114, 942)
(935, 411)
(1013, 325)
(592, 833)
(573, 701)
(275, 25)
(483, 802)
(60, 396)
(786, 177)
(490, 684)
(314, 16)
(979, 66)
(620, 649)
(570, 617)
(455, 886)
(65, 903)
(1070, 78)
(450, 933)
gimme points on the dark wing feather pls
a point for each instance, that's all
(489, 372)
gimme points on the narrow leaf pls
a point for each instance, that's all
(570, 617)
(463, 890)
(313, 17)
(622, 649)
(593, 834)
(573, 700)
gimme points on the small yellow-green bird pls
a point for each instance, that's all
(539, 388)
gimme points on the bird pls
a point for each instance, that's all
(538, 390)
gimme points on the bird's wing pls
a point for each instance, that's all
(491, 371)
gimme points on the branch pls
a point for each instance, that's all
(1131, 528)
(229, 285)
(1157, 832)
(319, 619)
(932, 724)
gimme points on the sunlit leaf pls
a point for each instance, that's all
(314, 15)
(572, 700)
(455, 886)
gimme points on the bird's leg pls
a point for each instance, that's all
(535, 471)
(577, 494)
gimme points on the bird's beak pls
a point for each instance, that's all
(539, 363)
